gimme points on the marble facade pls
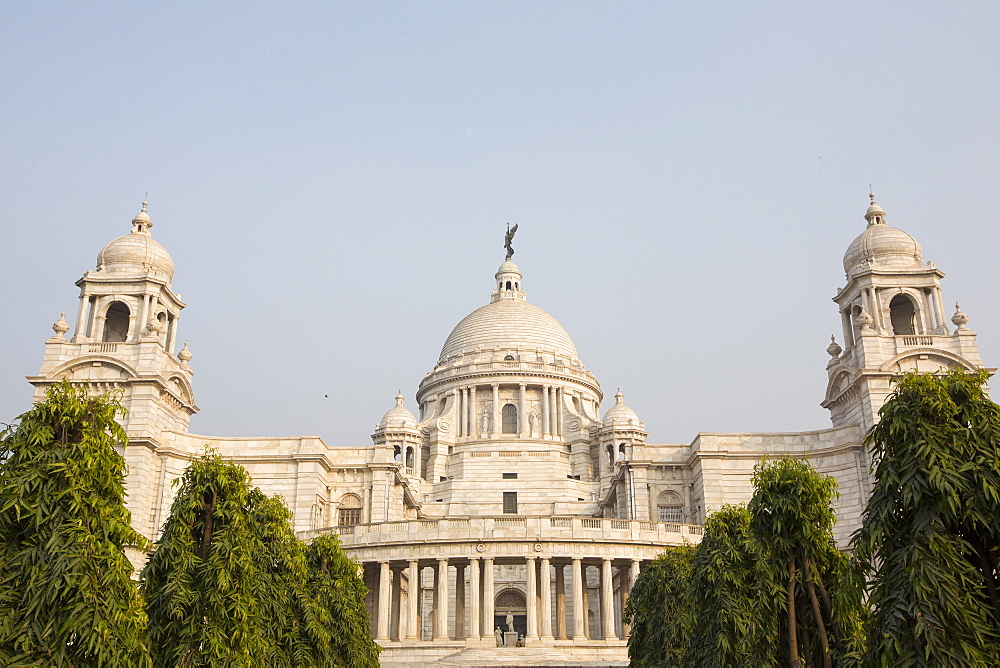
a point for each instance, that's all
(507, 496)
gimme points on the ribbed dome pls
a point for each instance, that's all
(621, 415)
(883, 245)
(510, 323)
(137, 253)
(398, 416)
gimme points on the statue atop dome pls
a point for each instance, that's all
(511, 231)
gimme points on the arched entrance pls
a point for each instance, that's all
(511, 602)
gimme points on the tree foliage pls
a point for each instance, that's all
(334, 584)
(66, 594)
(731, 596)
(931, 532)
(791, 517)
(230, 585)
(658, 611)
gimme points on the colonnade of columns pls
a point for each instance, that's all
(403, 614)
(471, 422)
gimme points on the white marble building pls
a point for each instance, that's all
(510, 497)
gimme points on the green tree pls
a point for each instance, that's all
(731, 596)
(230, 585)
(338, 591)
(792, 519)
(657, 610)
(931, 532)
(66, 593)
(201, 583)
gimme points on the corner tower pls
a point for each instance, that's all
(125, 335)
(893, 321)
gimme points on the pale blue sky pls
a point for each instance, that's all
(333, 182)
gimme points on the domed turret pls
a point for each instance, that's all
(137, 253)
(881, 244)
(398, 417)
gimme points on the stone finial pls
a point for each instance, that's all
(142, 222)
(185, 356)
(960, 319)
(60, 326)
(400, 398)
(834, 348)
(619, 397)
(875, 215)
(865, 321)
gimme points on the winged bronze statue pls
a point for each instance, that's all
(509, 238)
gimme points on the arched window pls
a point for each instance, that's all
(397, 454)
(116, 322)
(409, 457)
(510, 419)
(901, 315)
(611, 456)
(349, 513)
(508, 286)
(621, 452)
(669, 508)
(508, 358)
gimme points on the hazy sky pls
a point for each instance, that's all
(333, 181)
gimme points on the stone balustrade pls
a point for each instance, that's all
(514, 527)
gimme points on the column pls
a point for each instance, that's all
(458, 410)
(845, 320)
(441, 612)
(382, 623)
(940, 306)
(488, 609)
(172, 335)
(459, 601)
(522, 413)
(81, 324)
(579, 607)
(396, 606)
(560, 601)
(607, 605)
(554, 412)
(545, 590)
(473, 412)
(633, 575)
(545, 411)
(585, 612)
(475, 623)
(413, 603)
(495, 423)
(532, 601)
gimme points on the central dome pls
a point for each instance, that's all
(509, 323)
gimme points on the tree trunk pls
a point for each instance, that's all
(206, 534)
(989, 577)
(793, 639)
(806, 636)
(824, 641)
(825, 595)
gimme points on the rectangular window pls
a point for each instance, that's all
(510, 476)
(348, 517)
(510, 503)
(674, 514)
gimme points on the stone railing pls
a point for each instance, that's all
(548, 367)
(916, 340)
(513, 527)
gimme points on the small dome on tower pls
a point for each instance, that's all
(881, 244)
(137, 253)
(621, 415)
(398, 416)
(508, 267)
